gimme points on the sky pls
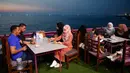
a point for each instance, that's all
(66, 6)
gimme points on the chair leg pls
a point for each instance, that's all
(122, 69)
(77, 59)
(97, 65)
(31, 69)
(67, 62)
(85, 56)
(9, 71)
(88, 58)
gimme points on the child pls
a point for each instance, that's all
(95, 37)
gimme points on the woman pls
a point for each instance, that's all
(82, 31)
(110, 30)
(67, 37)
(122, 31)
(92, 32)
(59, 28)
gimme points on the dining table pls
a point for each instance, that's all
(42, 47)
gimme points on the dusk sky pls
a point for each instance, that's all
(66, 6)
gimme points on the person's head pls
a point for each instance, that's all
(93, 30)
(110, 25)
(22, 27)
(15, 29)
(55, 36)
(59, 26)
(66, 29)
(122, 28)
(82, 29)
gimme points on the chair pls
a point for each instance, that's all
(3, 51)
(74, 53)
(87, 47)
(12, 64)
(95, 45)
(126, 56)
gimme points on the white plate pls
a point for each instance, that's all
(28, 38)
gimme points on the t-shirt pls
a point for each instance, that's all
(21, 36)
(15, 41)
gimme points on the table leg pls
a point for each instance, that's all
(36, 67)
(110, 47)
(60, 60)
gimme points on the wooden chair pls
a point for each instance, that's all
(95, 45)
(3, 51)
(74, 53)
(87, 47)
(126, 56)
(12, 64)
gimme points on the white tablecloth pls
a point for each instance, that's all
(115, 39)
(42, 46)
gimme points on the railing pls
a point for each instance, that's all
(51, 33)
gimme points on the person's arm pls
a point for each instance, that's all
(26, 42)
(68, 41)
(14, 51)
(56, 39)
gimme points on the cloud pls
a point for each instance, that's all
(22, 7)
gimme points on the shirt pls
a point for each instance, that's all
(21, 36)
(15, 41)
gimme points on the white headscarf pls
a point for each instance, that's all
(110, 24)
(66, 32)
(110, 30)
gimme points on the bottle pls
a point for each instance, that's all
(34, 37)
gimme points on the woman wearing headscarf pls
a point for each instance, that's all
(122, 31)
(110, 30)
(67, 41)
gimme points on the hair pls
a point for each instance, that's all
(22, 24)
(82, 31)
(93, 29)
(99, 32)
(13, 27)
(60, 25)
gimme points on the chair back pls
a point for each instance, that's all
(87, 42)
(126, 54)
(74, 41)
(3, 46)
(8, 52)
(95, 45)
(78, 41)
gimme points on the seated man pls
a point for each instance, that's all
(17, 51)
(22, 28)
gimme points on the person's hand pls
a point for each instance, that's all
(49, 40)
(59, 42)
(33, 42)
(24, 48)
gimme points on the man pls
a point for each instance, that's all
(21, 36)
(17, 51)
(22, 28)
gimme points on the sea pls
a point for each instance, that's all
(47, 22)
